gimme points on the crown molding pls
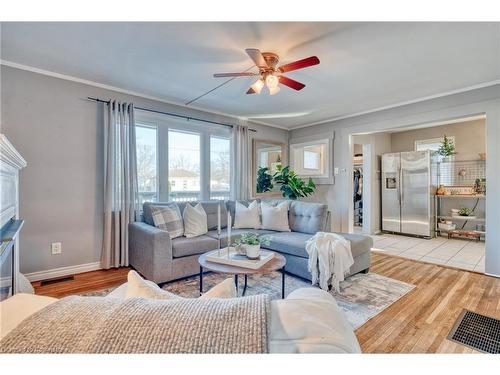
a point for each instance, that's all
(401, 104)
(128, 92)
(9, 154)
(241, 118)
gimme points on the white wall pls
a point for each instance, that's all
(60, 136)
(481, 101)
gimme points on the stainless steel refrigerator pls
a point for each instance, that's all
(406, 193)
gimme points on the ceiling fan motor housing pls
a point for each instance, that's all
(272, 60)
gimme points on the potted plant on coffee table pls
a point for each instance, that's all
(249, 244)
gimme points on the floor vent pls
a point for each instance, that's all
(57, 280)
(477, 332)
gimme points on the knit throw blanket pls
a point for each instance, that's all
(137, 325)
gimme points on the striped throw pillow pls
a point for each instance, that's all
(168, 218)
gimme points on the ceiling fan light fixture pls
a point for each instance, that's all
(274, 90)
(272, 82)
(257, 86)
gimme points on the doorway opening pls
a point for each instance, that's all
(428, 181)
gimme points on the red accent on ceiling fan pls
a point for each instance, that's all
(244, 74)
(299, 64)
(291, 83)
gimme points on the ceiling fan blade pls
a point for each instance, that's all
(291, 83)
(299, 64)
(243, 74)
(256, 57)
(251, 91)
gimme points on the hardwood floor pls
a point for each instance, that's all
(84, 282)
(417, 323)
(420, 321)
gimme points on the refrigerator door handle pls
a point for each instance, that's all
(401, 187)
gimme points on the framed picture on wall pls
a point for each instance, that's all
(312, 158)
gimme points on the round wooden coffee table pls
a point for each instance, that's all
(276, 264)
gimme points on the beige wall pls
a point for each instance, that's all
(470, 138)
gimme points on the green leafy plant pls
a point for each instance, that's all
(292, 186)
(447, 147)
(264, 180)
(464, 211)
(252, 239)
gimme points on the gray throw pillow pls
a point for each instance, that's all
(168, 218)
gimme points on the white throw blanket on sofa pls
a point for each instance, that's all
(330, 259)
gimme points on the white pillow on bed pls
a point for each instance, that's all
(139, 287)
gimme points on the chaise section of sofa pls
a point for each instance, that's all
(161, 259)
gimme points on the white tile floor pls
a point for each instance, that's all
(464, 254)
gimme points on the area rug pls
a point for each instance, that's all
(362, 296)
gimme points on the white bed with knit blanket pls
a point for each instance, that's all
(307, 321)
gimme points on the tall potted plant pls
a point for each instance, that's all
(292, 186)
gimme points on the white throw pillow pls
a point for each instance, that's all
(139, 287)
(15, 309)
(195, 220)
(224, 289)
(275, 218)
(247, 217)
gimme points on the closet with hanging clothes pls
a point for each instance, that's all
(358, 191)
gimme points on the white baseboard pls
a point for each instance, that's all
(63, 271)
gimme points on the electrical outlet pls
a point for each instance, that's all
(56, 248)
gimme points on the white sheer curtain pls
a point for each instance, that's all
(240, 187)
(120, 182)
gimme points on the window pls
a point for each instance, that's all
(184, 164)
(311, 158)
(220, 165)
(147, 163)
(180, 160)
(441, 174)
(431, 144)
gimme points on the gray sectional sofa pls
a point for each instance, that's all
(161, 259)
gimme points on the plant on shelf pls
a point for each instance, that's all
(264, 180)
(465, 211)
(447, 147)
(292, 186)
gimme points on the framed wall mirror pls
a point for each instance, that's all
(266, 157)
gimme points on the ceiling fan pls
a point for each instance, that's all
(269, 74)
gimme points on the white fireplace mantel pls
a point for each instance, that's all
(11, 162)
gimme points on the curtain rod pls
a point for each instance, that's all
(171, 114)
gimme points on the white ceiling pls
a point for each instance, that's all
(364, 66)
